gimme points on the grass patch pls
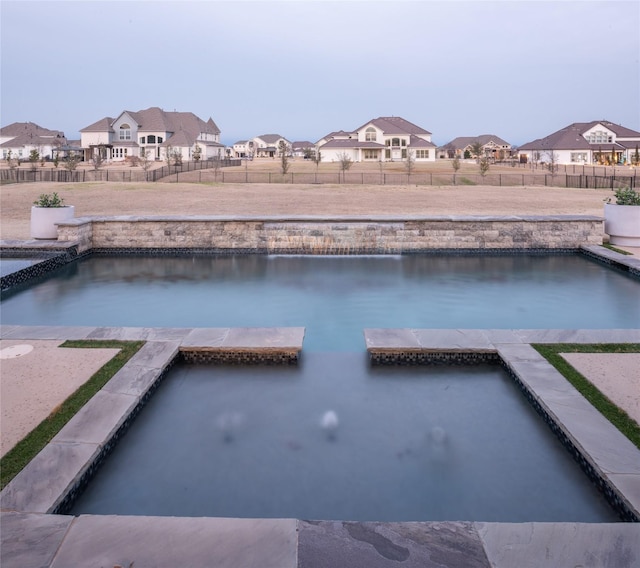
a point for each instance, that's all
(25, 450)
(465, 181)
(614, 249)
(618, 417)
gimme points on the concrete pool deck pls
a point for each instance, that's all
(31, 536)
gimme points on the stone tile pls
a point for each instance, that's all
(140, 333)
(554, 545)
(454, 339)
(580, 335)
(264, 337)
(49, 332)
(503, 336)
(514, 352)
(629, 486)
(392, 338)
(155, 354)
(98, 420)
(40, 486)
(29, 540)
(167, 542)
(132, 380)
(205, 337)
(327, 544)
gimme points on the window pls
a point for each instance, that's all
(119, 153)
(151, 139)
(599, 137)
(395, 141)
(387, 142)
(370, 134)
(159, 139)
(142, 140)
(371, 154)
(125, 132)
(578, 156)
(422, 154)
(387, 154)
(404, 153)
(404, 142)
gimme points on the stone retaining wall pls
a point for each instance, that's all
(333, 235)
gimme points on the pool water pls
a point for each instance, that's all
(412, 443)
(334, 298)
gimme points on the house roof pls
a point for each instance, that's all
(395, 125)
(16, 129)
(415, 142)
(463, 141)
(270, 138)
(301, 144)
(154, 119)
(571, 137)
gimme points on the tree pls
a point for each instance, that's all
(317, 158)
(344, 161)
(145, 163)
(283, 150)
(34, 158)
(197, 153)
(467, 155)
(410, 162)
(71, 161)
(455, 164)
(635, 160)
(476, 150)
(97, 159)
(484, 166)
(552, 161)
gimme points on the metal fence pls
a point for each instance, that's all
(213, 171)
(87, 175)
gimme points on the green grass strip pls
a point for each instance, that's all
(618, 417)
(25, 450)
(614, 249)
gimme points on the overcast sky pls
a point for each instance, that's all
(516, 69)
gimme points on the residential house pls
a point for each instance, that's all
(268, 145)
(302, 148)
(153, 132)
(596, 142)
(21, 138)
(385, 139)
(242, 149)
(493, 147)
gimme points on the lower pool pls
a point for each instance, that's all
(411, 443)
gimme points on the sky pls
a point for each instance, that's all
(301, 68)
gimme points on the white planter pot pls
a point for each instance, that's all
(44, 219)
(622, 224)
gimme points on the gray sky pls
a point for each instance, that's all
(516, 69)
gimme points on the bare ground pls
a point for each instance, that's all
(275, 199)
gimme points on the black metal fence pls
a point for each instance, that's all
(19, 175)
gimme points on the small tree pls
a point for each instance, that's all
(283, 150)
(635, 160)
(97, 159)
(483, 165)
(455, 164)
(197, 153)
(410, 162)
(345, 162)
(476, 150)
(71, 161)
(316, 158)
(145, 163)
(12, 162)
(34, 158)
(552, 161)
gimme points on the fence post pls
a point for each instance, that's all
(500, 179)
(430, 178)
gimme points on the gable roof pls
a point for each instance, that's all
(29, 129)
(270, 138)
(571, 137)
(463, 141)
(351, 143)
(102, 125)
(395, 125)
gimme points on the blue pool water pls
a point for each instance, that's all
(334, 298)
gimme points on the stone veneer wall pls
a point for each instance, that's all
(333, 235)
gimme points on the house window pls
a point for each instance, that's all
(422, 154)
(387, 154)
(125, 132)
(142, 140)
(370, 134)
(371, 154)
(151, 139)
(395, 141)
(404, 153)
(578, 156)
(404, 142)
(599, 137)
(159, 139)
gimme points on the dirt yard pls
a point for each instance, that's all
(275, 199)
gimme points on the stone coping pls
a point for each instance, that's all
(33, 538)
(76, 221)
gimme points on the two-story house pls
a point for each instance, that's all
(382, 139)
(596, 142)
(21, 138)
(492, 146)
(152, 132)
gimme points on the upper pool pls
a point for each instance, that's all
(333, 297)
